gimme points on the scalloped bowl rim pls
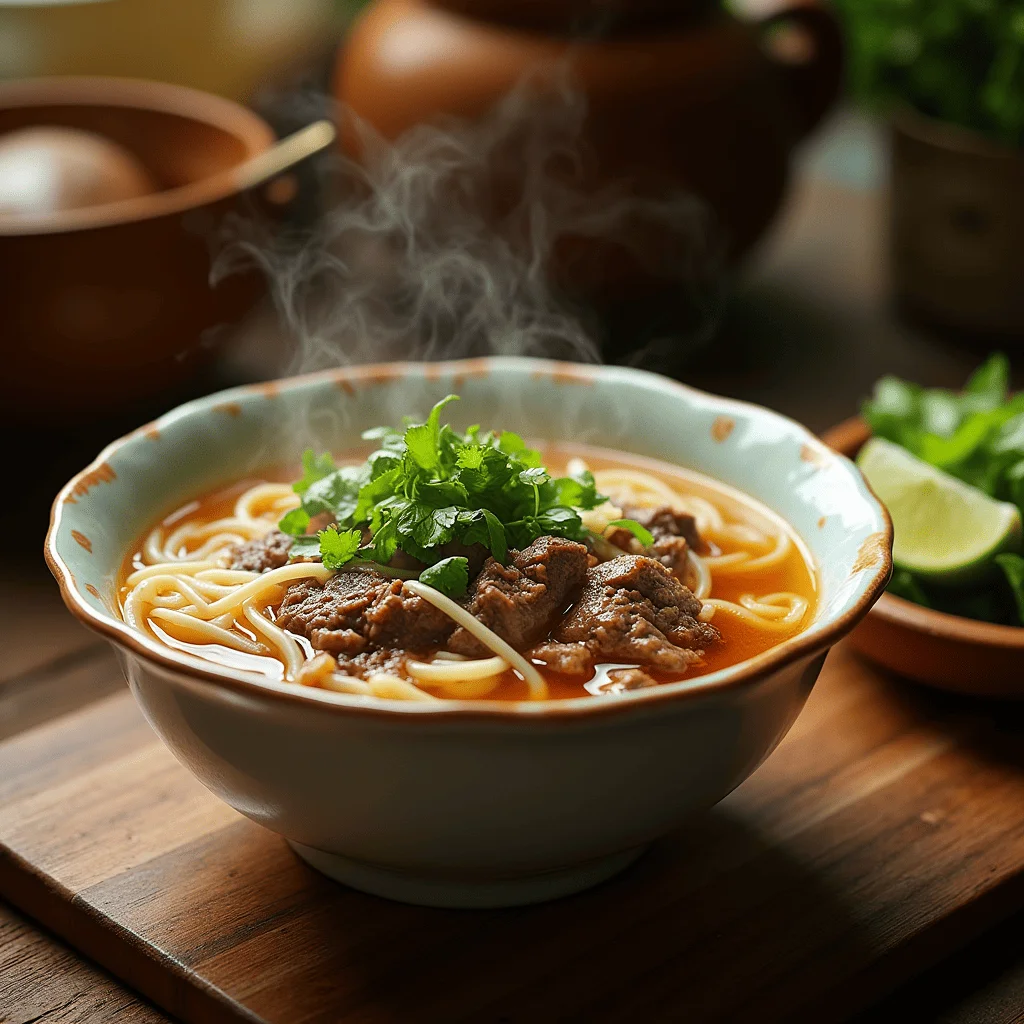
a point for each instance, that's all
(186, 668)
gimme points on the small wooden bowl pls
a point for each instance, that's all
(107, 304)
(947, 651)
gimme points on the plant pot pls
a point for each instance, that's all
(693, 102)
(957, 228)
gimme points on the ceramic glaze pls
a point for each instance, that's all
(463, 803)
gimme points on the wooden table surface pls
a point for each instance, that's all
(807, 332)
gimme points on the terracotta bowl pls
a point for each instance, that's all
(113, 303)
(471, 803)
(947, 651)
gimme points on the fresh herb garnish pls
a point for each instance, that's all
(450, 576)
(976, 435)
(641, 533)
(429, 486)
(338, 547)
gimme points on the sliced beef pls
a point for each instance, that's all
(361, 610)
(633, 609)
(522, 600)
(664, 522)
(569, 659)
(267, 552)
(371, 662)
(675, 533)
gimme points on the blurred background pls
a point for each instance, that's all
(774, 199)
(771, 199)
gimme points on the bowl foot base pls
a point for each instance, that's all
(453, 893)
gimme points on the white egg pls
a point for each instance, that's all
(47, 169)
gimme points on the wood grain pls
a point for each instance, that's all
(887, 830)
(41, 980)
(67, 682)
(37, 628)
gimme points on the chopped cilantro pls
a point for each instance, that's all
(295, 523)
(314, 467)
(337, 548)
(427, 486)
(304, 547)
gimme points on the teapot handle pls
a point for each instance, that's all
(812, 79)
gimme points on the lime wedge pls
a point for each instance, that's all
(945, 530)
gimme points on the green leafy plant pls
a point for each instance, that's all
(960, 61)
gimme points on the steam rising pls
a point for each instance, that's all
(449, 242)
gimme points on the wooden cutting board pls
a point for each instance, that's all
(887, 830)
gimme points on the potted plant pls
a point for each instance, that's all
(950, 75)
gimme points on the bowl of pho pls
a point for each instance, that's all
(471, 633)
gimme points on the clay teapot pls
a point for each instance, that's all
(679, 95)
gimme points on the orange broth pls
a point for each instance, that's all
(739, 642)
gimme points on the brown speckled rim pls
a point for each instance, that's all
(188, 669)
(847, 438)
(233, 119)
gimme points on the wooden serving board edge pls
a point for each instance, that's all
(165, 981)
(929, 948)
(184, 993)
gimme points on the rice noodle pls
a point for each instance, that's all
(702, 575)
(445, 671)
(384, 684)
(776, 612)
(179, 568)
(286, 646)
(272, 499)
(196, 631)
(462, 680)
(339, 682)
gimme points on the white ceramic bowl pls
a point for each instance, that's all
(463, 803)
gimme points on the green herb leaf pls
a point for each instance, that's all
(314, 467)
(641, 533)
(421, 440)
(579, 491)
(534, 476)
(991, 381)
(427, 486)
(496, 536)
(304, 547)
(904, 584)
(294, 523)
(385, 541)
(1013, 568)
(450, 576)
(338, 548)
